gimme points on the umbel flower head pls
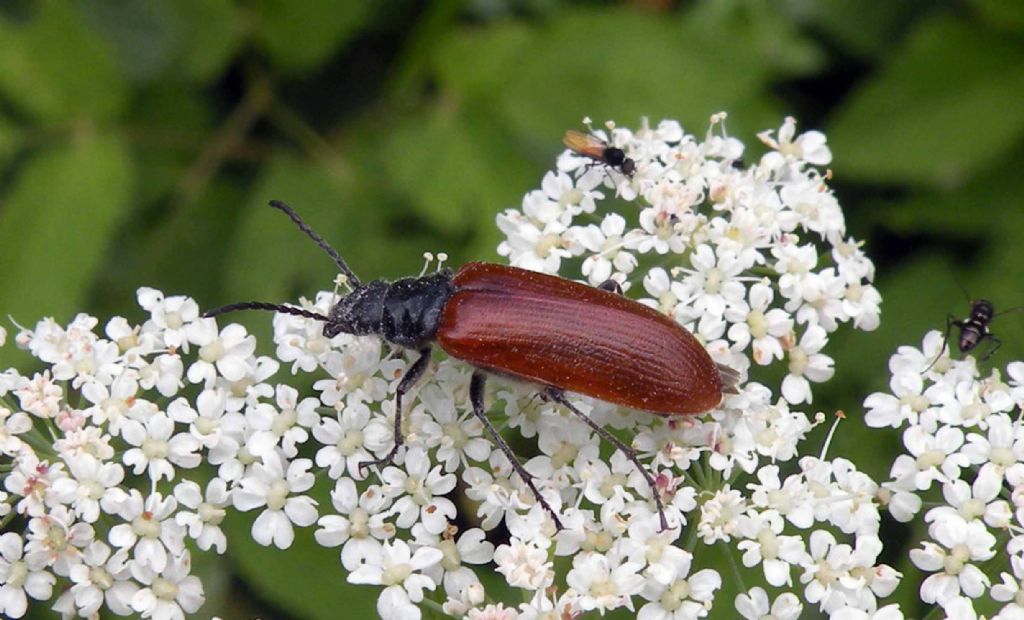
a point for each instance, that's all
(102, 490)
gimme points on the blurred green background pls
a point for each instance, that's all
(139, 142)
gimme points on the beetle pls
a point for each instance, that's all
(597, 149)
(974, 329)
(560, 335)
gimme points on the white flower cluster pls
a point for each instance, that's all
(753, 258)
(756, 262)
(962, 435)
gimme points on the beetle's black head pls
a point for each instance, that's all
(359, 312)
(406, 312)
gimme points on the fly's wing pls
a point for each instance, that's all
(584, 144)
(560, 333)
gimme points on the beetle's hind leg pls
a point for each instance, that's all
(730, 378)
(476, 396)
(410, 378)
(611, 285)
(558, 396)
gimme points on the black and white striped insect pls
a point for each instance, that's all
(974, 329)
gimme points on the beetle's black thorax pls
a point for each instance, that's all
(406, 312)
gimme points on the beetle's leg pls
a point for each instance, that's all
(950, 322)
(611, 285)
(730, 378)
(559, 397)
(408, 380)
(476, 396)
(996, 343)
(396, 352)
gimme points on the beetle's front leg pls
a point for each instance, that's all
(410, 378)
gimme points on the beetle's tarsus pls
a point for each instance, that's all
(558, 396)
(409, 379)
(386, 460)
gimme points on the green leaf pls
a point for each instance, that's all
(193, 39)
(182, 116)
(461, 189)
(861, 28)
(755, 30)
(966, 213)
(56, 68)
(143, 35)
(943, 109)
(56, 225)
(1001, 14)
(176, 254)
(211, 35)
(299, 35)
(476, 61)
(618, 64)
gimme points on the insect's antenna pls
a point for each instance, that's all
(967, 295)
(1009, 310)
(260, 305)
(326, 247)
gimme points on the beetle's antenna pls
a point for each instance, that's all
(326, 247)
(260, 305)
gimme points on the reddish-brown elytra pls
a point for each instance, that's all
(556, 332)
(560, 335)
(597, 149)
